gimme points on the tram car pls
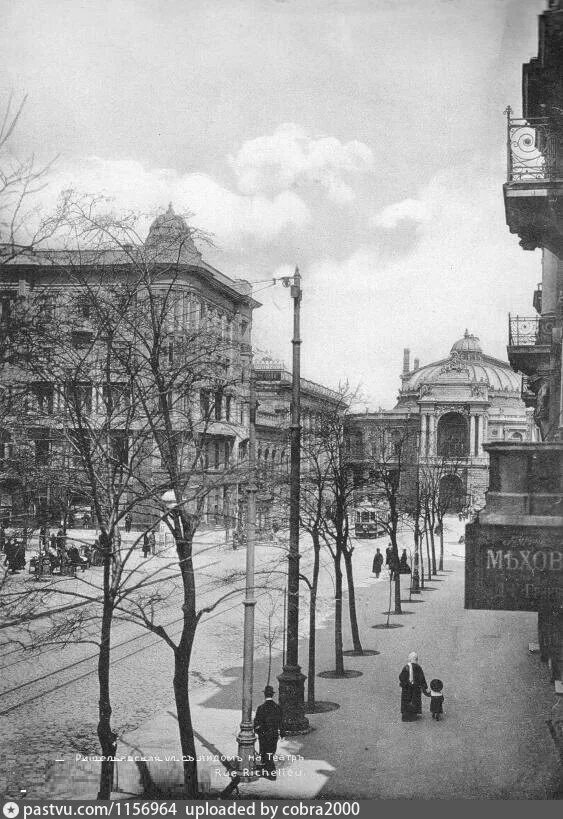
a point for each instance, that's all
(368, 521)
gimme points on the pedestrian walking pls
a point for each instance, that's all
(436, 698)
(152, 541)
(413, 683)
(128, 521)
(268, 726)
(377, 564)
(388, 555)
(146, 545)
(404, 567)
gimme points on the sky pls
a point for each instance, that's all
(362, 140)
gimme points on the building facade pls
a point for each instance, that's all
(203, 306)
(274, 395)
(453, 407)
(514, 556)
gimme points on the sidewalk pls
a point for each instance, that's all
(493, 742)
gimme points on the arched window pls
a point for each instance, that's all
(453, 436)
(517, 436)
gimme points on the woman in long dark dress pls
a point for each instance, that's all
(413, 683)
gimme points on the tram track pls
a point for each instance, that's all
(5, 711)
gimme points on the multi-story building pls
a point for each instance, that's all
(514, 554)
(452, 407)
(273, 392)
(199, 299)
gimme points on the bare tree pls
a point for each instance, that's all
(335, 491)
(441, 478)
(21, 225)
(391, 454)
(157, 380)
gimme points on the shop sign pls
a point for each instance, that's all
(513, 568)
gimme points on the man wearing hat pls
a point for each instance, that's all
(268, 726)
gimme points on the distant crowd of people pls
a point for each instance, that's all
(57, 552)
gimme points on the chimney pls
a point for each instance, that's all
(406, 357)
(416, 363)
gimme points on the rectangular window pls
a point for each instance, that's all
(119, 447)
(80, 396)
(41, 441)
(228, 404)
(204, 403)
(218, 404)
(44, 394)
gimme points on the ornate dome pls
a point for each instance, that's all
(467, 364)
(170, 238)
(468, 344)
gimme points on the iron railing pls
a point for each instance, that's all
(524, 331)
(531, 149)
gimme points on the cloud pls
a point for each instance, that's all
(232, 217)
(290, 157)
(413, 210)
(465, 270)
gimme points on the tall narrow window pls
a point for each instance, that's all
(218, 404)
(477, 434)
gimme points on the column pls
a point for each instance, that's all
(480, 446)
(472, 435)
(432, 436)
(423, 434)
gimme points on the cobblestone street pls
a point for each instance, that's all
(492, 743)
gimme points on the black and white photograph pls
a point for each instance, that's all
(281, 404)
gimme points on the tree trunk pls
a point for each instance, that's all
(181, 695)
(441, 561)
(428, 556)
(182, 657)
(433, 548)
(395, 564)
(421, 556)
(105, 734)
(339, 657)
(313, 623)
(352, 602)
(398, 609)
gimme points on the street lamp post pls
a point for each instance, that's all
(246, 736)
(291, 680)
(415, 581)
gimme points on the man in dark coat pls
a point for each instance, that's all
(377, 563)
(412, 682)
(268, 726)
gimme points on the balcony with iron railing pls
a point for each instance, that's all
(534, 180)
(529, 343)
(532, 150)
(525, 331)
